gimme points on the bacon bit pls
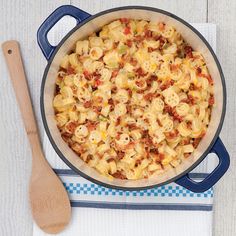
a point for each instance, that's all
(59, 77)
(149, 96)
(163, 87)
(137, 162)
(191, 100)
(167, 84)
(161, 26)
(154, 150)
(127, 30)
(132, 126)
(159, 157)
(176, 116)
(140, 72)
(114, 73)
(145, 134)
(121, 64)
(57, 89)
(118, 135)
(168, 109)
(199, 70)
(150, 49)
(119, 175)
(186, 155)
(172, 112)
(66, 136)
(151, 78)
(114, 89)
(87, 104)
(110, 159)
(87, 75)
(159, 122)
(74, 108)
(196, 141)
(189, 124)
(120, 155)
(110, 101)
(129, 108)
(129, 92)
(188, 51)
(133, 61)
(140, 83)
(148, 141)
(99, 99)
(89, 158)
(91, 125)
(62, 69)
(198, 111)
(149, 82)
(172, 135)
(130, 145)
(162, 42)
(124, 20)
(129, 43)
(185, 141)
(77, 148)
(97, 109)
(70, 70)
(71, 126)
(147, 33)
(191, 87)
(138, 39)
(118, 120)
(174, 67)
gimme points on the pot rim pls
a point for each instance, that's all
(74, 168)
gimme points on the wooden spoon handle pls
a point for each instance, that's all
(11, 51)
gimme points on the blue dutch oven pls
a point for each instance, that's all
(87, 24)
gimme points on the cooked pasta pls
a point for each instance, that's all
(134, 99)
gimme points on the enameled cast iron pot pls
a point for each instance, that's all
(87, 24)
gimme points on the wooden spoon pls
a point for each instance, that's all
(50, 204)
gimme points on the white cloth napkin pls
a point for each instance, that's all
(170, 210)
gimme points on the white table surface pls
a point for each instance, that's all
(20, 19)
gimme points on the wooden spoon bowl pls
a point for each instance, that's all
(50, 204)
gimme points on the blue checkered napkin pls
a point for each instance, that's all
(169, 210)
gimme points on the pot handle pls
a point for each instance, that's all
(65, 10)
(224, 162)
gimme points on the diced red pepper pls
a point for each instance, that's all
(98, 82)
(127, 30)
(129, 43)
